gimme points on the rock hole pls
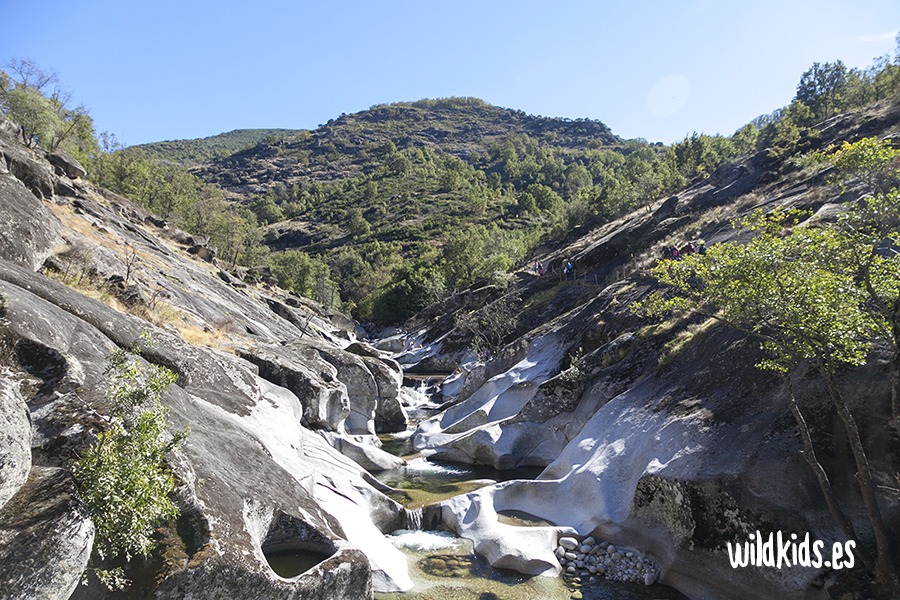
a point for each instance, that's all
(293, 547)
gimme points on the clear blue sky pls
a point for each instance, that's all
(151, 70)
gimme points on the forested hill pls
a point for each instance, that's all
(353, 144)
(381, 193)
(193, 152)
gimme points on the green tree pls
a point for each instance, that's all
(781, 134)
(796, 293)
(870, 231)
(32, 112)
(412, 289)
(31, 97)
(122, 477)
(821, 87)
(745, 139)
(294, 270)
(266, 210)
(359, 227)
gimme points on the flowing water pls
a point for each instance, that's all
(444, 567)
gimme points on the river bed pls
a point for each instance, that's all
(445, 567)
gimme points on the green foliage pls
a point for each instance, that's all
(781, 134)
(479, 252)
(122, 477)
(192, 152)
(822, 87)
(827, 88)
(411, 289)
(266, 210)
(308, 276)
(790, 290)
(873, 162)
(173, 193)
(31, 98)
(358, 225)
(699, 155)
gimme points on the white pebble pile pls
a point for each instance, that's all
(591, 560)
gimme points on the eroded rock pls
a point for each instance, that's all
(45, 538)
(15, 437)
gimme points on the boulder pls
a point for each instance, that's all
(66, 163)
(365, 454)
(528, 550)
(203, 252)
(36, 175)
(298, 368)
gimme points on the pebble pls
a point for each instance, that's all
(592, 559)
(569, 543)
(577, 595)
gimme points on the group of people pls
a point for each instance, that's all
(674, 253)
(567, 268)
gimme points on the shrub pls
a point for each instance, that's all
(122, 477)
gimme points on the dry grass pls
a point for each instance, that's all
(683, 339)
(88, 287)
(208, 337)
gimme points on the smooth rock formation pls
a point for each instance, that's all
(28, 230)
(45, 538)
(253, 478)
(15, 436)
(528, 550)
(659, 436)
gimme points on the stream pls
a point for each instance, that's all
(445, 567)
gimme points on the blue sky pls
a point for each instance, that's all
(151, 71)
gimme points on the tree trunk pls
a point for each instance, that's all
(809, 454)
(884, 572)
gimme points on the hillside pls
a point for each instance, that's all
(192, 152)
(381, 196)
(663, 433)
(351, 145)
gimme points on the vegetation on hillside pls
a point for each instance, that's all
(188, 153)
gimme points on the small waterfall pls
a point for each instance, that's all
(414, 519)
